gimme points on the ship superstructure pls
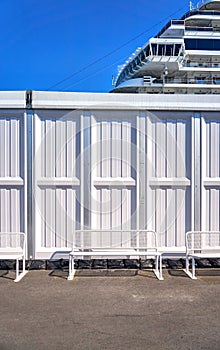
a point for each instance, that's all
(183, 58)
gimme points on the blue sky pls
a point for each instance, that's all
(46, 41)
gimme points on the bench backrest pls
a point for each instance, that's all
(115, 239)
(12, 242)
(202, 240)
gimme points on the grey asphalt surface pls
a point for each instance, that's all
(121, 309)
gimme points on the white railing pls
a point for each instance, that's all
(202, 2)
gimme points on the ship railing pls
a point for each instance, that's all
(201, 3)
(215, 81)
(198, 12)
(202, 65)
(202, 29)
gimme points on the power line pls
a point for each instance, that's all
(114, 51)
(92, 74)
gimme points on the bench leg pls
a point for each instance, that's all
(192, 274)
(71, 269)
(193, 269)
(158, 270)
(17, 269)
(19, 276)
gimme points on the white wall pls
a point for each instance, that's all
(108, 161)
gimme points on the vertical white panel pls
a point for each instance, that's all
(49, 217)
(150, 173)
(11, 156)
(214, 209)
(116, 142)
(40, 146)
(60, 217)
(161, 149)
(15, 149)
(181, 149)
(206, 211)
(166, 206)
(171, 217)
(106, 210)
(7, 147)
(161, 215)
(126, 216)
(15, 210)
(204, 172)
(4, 226)
(210, 165)
(106, 172)
(116, 213)
(71, 148)
(116, 208)
(39, 170)
(71, 215)
(40, 219)
(214, 161)
(63, 149)
(50, 148)
(180, 217)
(126, 149)
(171, 149)
(2, 147)
(106, 150)
(96, 165)
(56, 140)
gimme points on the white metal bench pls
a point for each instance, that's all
(12, 247)
(113, 244)
(201, 244)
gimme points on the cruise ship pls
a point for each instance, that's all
(183, 58)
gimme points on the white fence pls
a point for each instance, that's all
(108, 161)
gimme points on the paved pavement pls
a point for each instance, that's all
(110, 310)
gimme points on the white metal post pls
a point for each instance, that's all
(197, 172)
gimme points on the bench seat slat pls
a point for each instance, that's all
(114, 253)
(8, 256)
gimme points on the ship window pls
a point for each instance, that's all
(169, 50)
(161, 50)
(147, 51)
(142, 56)
(202, 44)
(154, 49)
(177, 49)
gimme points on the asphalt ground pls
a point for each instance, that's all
(111, 309)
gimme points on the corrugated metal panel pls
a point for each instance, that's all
(12, 174)
(116, 159)
(169, 170)
(211, 173)
(57, 179)
(113, 186)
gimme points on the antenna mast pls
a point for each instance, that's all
(190, 5)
